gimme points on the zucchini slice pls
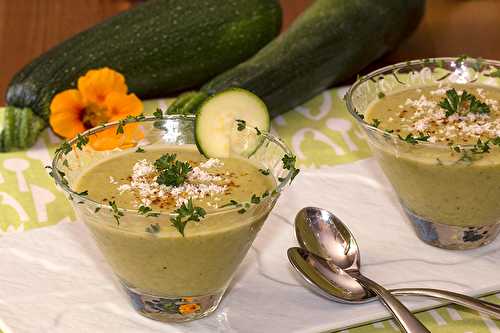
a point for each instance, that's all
(230, 122)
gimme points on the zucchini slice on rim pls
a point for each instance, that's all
(226, 124)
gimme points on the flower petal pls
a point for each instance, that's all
(120, 105)
(65, 113)
(97, 84)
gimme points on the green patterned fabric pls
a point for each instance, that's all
(321, 133)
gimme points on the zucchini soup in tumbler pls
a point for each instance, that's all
(434, 127)
(172, 224)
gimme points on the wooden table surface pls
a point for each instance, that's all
(450, 27)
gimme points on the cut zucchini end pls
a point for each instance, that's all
(226, 124)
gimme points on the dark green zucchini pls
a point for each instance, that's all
(330, 42)
(161, 46)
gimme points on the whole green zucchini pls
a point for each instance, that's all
(330, 42)
(161, 46)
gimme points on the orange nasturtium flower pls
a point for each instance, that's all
(188, 308)
(101, 97)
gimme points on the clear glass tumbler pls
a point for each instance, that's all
(168, 277)
(450, 194)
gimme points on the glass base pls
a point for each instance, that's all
(173, 309)
(452, 237)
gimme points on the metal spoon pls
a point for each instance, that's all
(315, 228)
(325, 281)
(326, 234)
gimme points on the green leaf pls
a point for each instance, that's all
(255, 199)
(186, 213)
(375, 122)
(81, 141)
(414, 139)
(241, 124)
(172, 172)
(158, 114)
(153, 228)
(64, 148)
(117, 214)
(265, 172)
(140, 150)
(144, 210)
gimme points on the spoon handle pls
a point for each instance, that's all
(463, 300)
(406, 320)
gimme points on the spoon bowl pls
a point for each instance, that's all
(326, 236)
(338, 286)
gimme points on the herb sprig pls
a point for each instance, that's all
(172, 171)
(289, 161)
(186, 213)
(117, 213)
(455, 103)
(410, 138)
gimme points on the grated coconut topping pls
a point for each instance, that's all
(200, 183)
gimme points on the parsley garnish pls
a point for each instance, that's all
(241, 124)
(289, 164)
(185, 213)
(375, 122)
(119, 129)
(255, 199)
(117, 214)
(145, 210)
(65, 148)
(97, 209)
(477, 106)
(81, 141)
(453, 103)
(414, 139)
(381, 95)
(265, 172)
(481, 147)
(172, 172)
(158, 114)
(153, 228)
(61, 174)
(140, 150)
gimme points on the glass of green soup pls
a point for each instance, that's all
(434, 127)
(172, 224)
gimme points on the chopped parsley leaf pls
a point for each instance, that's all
(265, 172)
(185, 213)
(158, 114)
(117, 214)
(81, 141)
(241, 124)
(414, 139)
(375, 122)
(172, 172)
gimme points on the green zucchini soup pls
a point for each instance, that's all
(437, 142)
(163, 261)
(173, 224)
